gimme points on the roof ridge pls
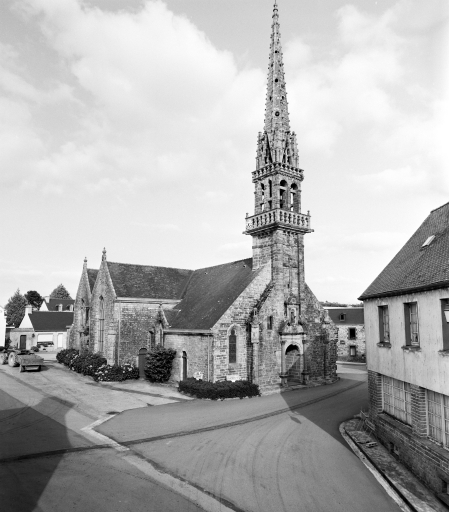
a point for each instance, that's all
(153, 266)
(223, 264)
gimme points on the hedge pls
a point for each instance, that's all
(218, 390)
(95, 365)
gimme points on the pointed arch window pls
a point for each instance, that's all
(232, 351)
(101, 326)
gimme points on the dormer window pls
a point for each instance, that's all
(59, 307)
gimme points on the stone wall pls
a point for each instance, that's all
(78, 334)
(198, 349)
(134, 323)
(344, 343)
(105, 289)
(237, 316)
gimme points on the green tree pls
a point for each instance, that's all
(60, 292)
(15, 309)
(34, 298)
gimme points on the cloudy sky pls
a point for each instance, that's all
(132, 125)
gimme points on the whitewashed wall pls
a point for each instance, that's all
(426, 368)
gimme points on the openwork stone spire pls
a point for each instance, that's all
(276, 115)
(277, 144)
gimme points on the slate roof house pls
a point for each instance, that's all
(251, 319)
(42, 328)
(57, 304)
(351, 330)
(407, 342)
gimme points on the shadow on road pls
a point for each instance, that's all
(24, 433)
(328, 413)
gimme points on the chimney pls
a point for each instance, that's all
(47, 298)
(28, 309)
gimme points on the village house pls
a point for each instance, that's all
(251, 319)
(407, 341)
(351, 330)
(42, 328)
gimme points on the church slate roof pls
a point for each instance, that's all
(210, 292)
(353, 316)
(51, 321)
(143, 281)
(92, 277)
(417, 268)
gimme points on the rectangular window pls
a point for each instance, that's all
(342, 318)
(411, 324)
(352, 350)
(445, 323)
(438, 417)
(352, 333)
(384, 324)
(270, 323)
(397, 400)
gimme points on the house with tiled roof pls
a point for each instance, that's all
(407, 341)
(42, 329)
(252, 319)
(350, 324)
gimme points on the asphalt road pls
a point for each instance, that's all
(276, 453)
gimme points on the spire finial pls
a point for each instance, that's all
(85, 261)
(104, 254)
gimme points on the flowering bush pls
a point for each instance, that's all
(218, 390)
(87, 363)
(159, 364)
(116, 373)
(95, 365)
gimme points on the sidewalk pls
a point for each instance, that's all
(398, 480)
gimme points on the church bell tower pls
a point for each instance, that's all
(278, 226)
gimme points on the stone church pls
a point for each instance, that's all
(252, 319)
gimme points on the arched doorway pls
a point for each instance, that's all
(184, 365)
(142, 359)
(293, 363)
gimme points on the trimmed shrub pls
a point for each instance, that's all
(116, 373)
(218, 390)
(66, 355)
(159, 363)
(35, 349)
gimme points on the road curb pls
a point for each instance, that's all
(389, 486)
